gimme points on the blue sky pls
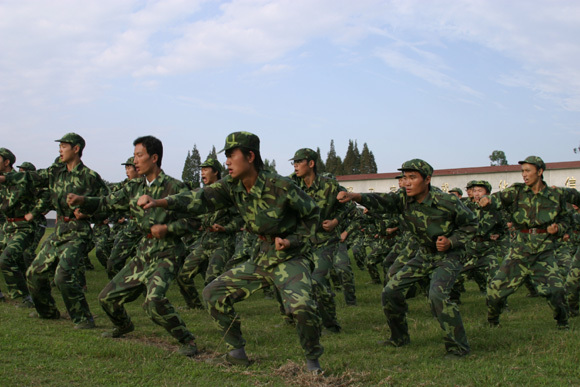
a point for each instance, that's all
(446, 81)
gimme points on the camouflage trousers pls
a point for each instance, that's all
(64, 258)
(292, 280)
(154, 275)
(481, 266)
(207, 259)
(573, 284)
(321, 290)
(30, 252)
(442, 269)
(124, 248)
(375, 259)
(543, 272)
(13, 246)
(343, 269)
(103, 242)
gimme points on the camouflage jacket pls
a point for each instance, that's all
(228, 218)
(59, 182)
(125, 200)
(274, 207)
(324, 191)
(439, 214)
(530, 211)
(15, 202)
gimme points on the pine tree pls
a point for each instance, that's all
(191, 174)
(333, 161)
(212, 154)
(270, 165)
(367, 161)
(351, 164)
(373, 167)
(320, 167)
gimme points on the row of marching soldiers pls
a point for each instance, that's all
(255, 230)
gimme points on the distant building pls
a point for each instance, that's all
(500, 177)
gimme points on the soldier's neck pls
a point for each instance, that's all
(538, 186)
(153, 174)
(250, 179)
(309, 179)
(70, 165)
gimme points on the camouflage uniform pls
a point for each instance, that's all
(17, 233)
(156, 262)
(274, 207)
(532, 252)
(439, 214)
(71, 236)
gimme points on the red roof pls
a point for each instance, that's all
(461, 171)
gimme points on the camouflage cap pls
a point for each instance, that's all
(73, 139)
(456, 189)
(481, 183)
(7, 155)
(130, 161)
(534, 160)
(27, 166)
(305, 154)
(470, 184)
(213, 163)
(242, 139)
(399, 176)
(418, 165)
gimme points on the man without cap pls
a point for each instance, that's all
(158, 254)
(539, 215)
(128, 234)
(73, 231)
(17, 233)
(285, 220)
(216, 244)
(323, 191)
(441, 225)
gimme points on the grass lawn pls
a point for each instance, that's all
(526, 350)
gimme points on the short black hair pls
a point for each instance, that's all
(258, 163)
(153, 145)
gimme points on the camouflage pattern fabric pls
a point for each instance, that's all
(103, 242)
(439, 214)
(573, 285)
(66, 249)
(274, 207)
(124, 247)
(157, 261)
(532, 253)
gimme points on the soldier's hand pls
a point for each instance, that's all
(146, 202)
(74, 200)
(484, 201)
(79, 215)
(281, 244)
(329, 225)
(391, 230)
(566, 237)
(344, 197)
(442, 243)
(494, 237)
(159, 231)
(217, 228)
(552, 229)
(2, 178)
(343, 236)
(29, 217)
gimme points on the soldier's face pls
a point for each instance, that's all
(238, 164)
(478, 192)
(3, 165)
(456, 194)
(131, 172)
(144, 162)
(531, 174)
(470, 193)
(66, 151)
(208, 175)
(415, 184)
(303, 168)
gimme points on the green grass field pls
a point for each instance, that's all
(526, 350)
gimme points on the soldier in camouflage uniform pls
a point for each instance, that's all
(285, 219)
(159, 252)
(128, 235)
(17, 233)
(40, 222)
(216, 245)
(539, 215)
(457, 192)
(73, 231)
(323, 191)
(442, 225)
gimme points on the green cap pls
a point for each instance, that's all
(481, 183)
(470, 184)
(399, 176)
(73, 139)
(213, 163)
(130, 161)
(242, 139)
(534, 160)
(305, 154)
(7, 155)
(456, 189)
(27, 166)
(418, 165)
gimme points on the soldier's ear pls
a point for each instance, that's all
(76, 149)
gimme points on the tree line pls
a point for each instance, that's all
(354, 162)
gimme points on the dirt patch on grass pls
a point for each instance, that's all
(296, 375)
